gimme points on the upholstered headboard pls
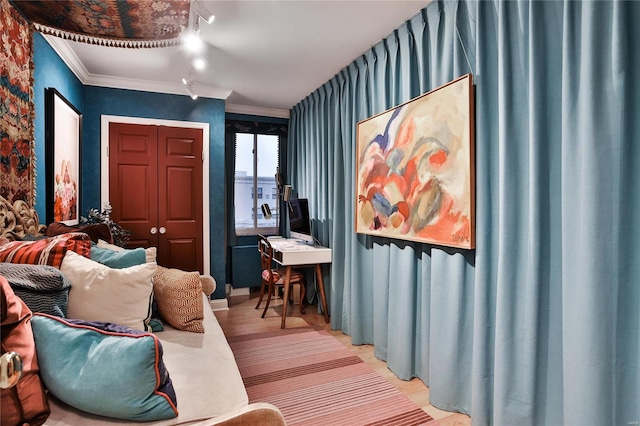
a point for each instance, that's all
(18, 219)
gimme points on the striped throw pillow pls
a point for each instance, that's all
(47, 251)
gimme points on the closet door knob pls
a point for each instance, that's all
(154, 230)
(163, 229)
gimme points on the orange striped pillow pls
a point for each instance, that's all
(48, 251)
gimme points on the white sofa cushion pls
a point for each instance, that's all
(100, 293)
(204, 373)
(203, 370)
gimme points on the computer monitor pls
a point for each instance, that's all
(299, 222)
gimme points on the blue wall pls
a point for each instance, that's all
(130, 103)
(51, 71)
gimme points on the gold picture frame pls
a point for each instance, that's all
(415, 169)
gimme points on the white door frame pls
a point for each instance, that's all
(105, 120)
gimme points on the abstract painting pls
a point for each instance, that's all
(415, 169)
(63, 124)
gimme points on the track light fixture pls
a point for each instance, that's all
(204, 13)
(199, 64)
(193, 43)
(187, 81)
(190, 92)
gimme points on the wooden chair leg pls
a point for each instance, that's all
(303, 293)
(262, 286)
(268, 301)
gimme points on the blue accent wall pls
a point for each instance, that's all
(130, 103)
(49, 71)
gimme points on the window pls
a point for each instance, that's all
(259, 214)
(256, 166)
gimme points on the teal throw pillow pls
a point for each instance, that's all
(118, 259)
(103, 368)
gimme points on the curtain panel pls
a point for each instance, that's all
(540, 324)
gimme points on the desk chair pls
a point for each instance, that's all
(276, 277)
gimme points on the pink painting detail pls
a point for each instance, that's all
(65, 195)
(415, 174)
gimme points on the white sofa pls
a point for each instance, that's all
(208, 386)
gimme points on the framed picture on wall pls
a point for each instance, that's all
(415, 169)
(63, 142)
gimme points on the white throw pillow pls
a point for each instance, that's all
(99, 293)
(150, 252)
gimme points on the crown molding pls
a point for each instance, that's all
(61, 47)
(68, 56)
(155, 86)
(252, 110)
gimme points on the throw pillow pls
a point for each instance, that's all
(100, 293)
(25, 403)
(42, 288)
(208, 284)
(104, 369)
(150, 252)
(118, 259)
(178, 295)
(49, 251)
(94, 231)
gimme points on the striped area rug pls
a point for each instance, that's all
(315, 380)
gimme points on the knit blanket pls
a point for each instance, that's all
(42, 288)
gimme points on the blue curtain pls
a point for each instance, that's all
(540, 325)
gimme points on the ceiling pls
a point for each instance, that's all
(263, 57)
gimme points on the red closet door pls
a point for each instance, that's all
(155, 189)
(180, 198)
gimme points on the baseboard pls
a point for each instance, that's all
(223, 304)
(239, 291)
(219, 304)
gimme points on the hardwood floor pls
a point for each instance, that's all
(243, 318)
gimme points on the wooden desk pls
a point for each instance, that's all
(293, 252)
